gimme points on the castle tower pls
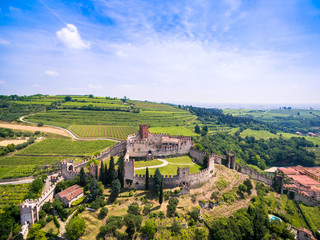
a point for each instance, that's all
(144, 131)
(29, 212)
(231, 160)
(95, 170)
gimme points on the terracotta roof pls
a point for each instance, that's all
(289, 171)
(68, 190)
(304, 180)
(301, 229)
(74, 194)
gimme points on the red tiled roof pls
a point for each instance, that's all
(304, 180)
(289, 171)
(74, 194)
(68, 190)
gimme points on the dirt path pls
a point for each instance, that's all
(165, 163)
(34, 128)
(62, 229)
(22, 181)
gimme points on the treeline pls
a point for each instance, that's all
(216, 116)
(11, 111)
(4, 150)
(251, 223)
(261, 153)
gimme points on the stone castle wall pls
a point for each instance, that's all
(255, 174)
(182, 178)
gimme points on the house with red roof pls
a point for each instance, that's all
(70, 195)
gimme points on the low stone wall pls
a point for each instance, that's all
(255, 174)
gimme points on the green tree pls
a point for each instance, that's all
(103, 213)
(75, 228)
(161, 192)
(248, 184)
(82, 177)
(134, 208)
(176, 227)
(147, 178)
(149, 228)
(94, 190)
(102, 173)
(197, 129)
(106, 176)
(36, 233)
(157, 181)
(67, 99)
(115, 188)
(242, 188)
(111, 172)
(130, 229)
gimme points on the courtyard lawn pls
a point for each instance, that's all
(147, 163)
(180, 160)
(171, 169)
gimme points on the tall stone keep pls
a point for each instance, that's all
(144, 131)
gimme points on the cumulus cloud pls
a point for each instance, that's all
(71, 37)
(4, 42)
(51, 73)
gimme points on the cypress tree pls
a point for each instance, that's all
(111, 172)
(120, 177)
(161, 192)
(82, 177)
(147, 179)
(102, 172)
(106, 179)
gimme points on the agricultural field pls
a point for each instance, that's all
(92, 131)
(64, 118)
(13, 194)
(180, 131)
(16, 160)
(17, 171)
(258, 134)
(66, 147)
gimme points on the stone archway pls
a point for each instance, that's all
(70, 168)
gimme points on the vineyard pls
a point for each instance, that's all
(116, 132)
(66, 147)
(13, 194)
(64, 118)
(27, 160)
(17, 171)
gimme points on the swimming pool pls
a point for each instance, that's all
(274, 218)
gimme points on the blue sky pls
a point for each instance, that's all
(228, 51)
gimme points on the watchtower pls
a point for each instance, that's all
(144, 131)
(231, 160)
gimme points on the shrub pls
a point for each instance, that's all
(95, 205)
(49, 218)
(150, 228)
(40, 124)
(75, 228)
(134, 208)
(56, 222)
(103, 213)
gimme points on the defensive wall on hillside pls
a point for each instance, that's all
(29, 209)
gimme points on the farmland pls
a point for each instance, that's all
(91, 131)
(12, 194)
(182, 131)
(64, 118)
(17, 171)
(66, 147)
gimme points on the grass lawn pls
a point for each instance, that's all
(182, 131)
(66, 146)
(93, 224)
(180, 160)
(171, 169)
(147, 163)
(50, 225)
(261, 134)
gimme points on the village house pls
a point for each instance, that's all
(70, 195)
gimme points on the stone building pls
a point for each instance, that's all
(70, 195)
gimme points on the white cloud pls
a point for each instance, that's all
(51, 73)
(95, 87)
(3, 82)
(71, 37)
(4, 42)
(127, 86)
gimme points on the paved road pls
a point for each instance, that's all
(17, 182)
